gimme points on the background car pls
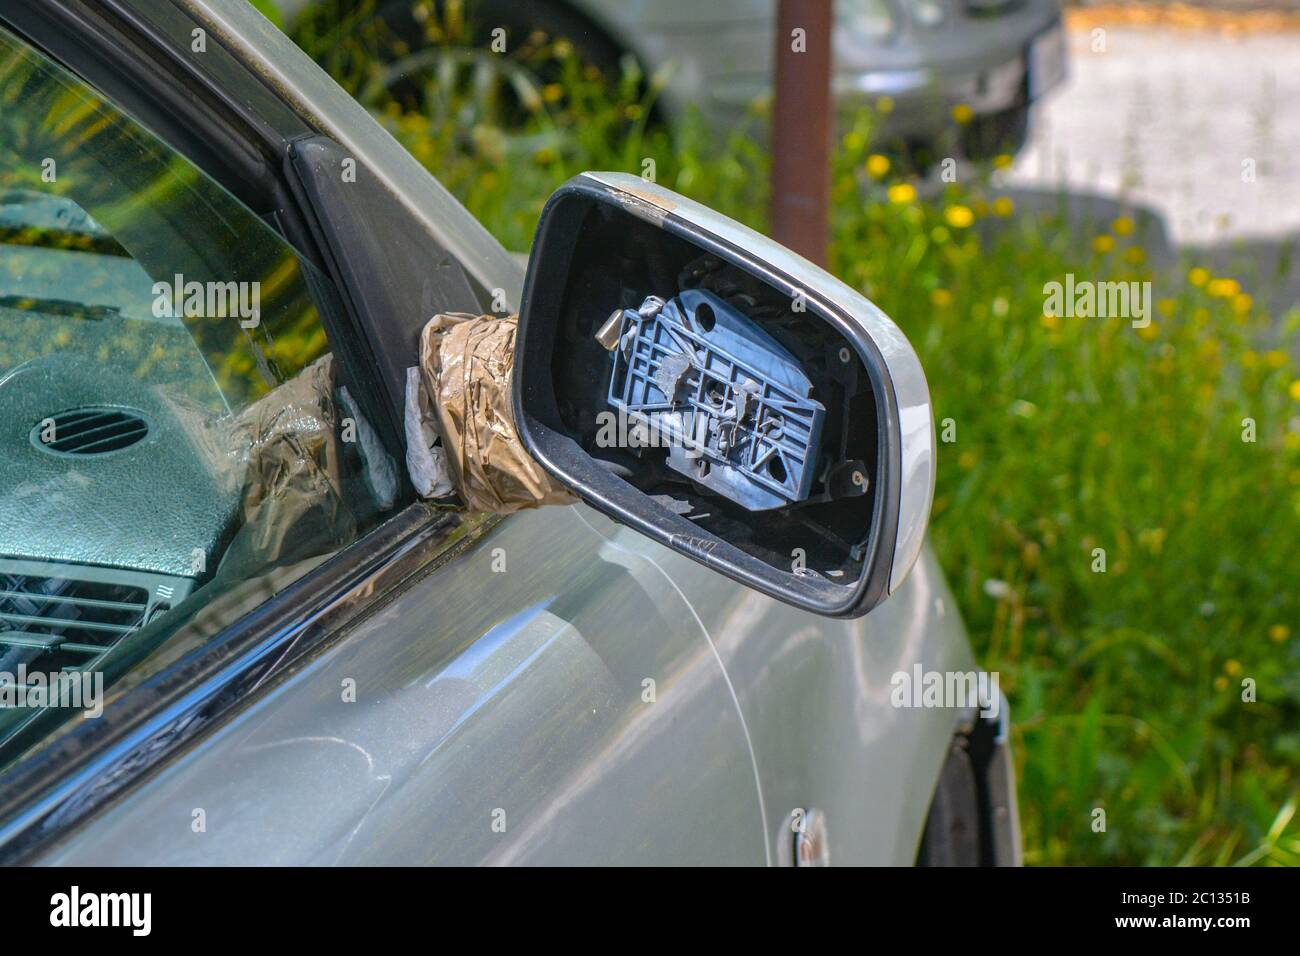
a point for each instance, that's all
(914, 61)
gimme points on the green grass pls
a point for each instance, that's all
(1070, 435)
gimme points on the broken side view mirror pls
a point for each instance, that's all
(699, 382)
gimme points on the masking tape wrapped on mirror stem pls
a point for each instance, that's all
(463, 402)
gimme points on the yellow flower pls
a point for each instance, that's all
(1241, 303)
(1223, 288)
(941, 297)
(1050, 321)
(902, 192)
(1198, 276)
(1275, 359)
(959, 217)
(1278, 633)
(552, 92)
(885, 104)
(1232, 668)
(1135, 255)
(962, 113)
(1150, 332)
(854, 141)
(1250, 359)
(1295, 390)
(1123, 226)
(1166, 307)
(1220, 683)
(1003, 206)
(563, 49)
(1003, 160)
(877, 165)
(1103, 244)
(966, 459)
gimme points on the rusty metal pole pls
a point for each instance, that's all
(801, 127)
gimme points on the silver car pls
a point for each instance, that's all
(912, 61)
(232, 633)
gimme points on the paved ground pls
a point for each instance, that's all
(1158, 127)
(1165, 118)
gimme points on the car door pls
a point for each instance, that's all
(392, 683)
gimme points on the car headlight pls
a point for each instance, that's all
(928, 13)
(872, 19)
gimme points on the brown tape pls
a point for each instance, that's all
(467, 362)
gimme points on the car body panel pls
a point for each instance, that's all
(522, 691)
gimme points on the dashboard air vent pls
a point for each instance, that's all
(58, 624)
(89, 431)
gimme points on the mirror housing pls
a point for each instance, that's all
(697, 381)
